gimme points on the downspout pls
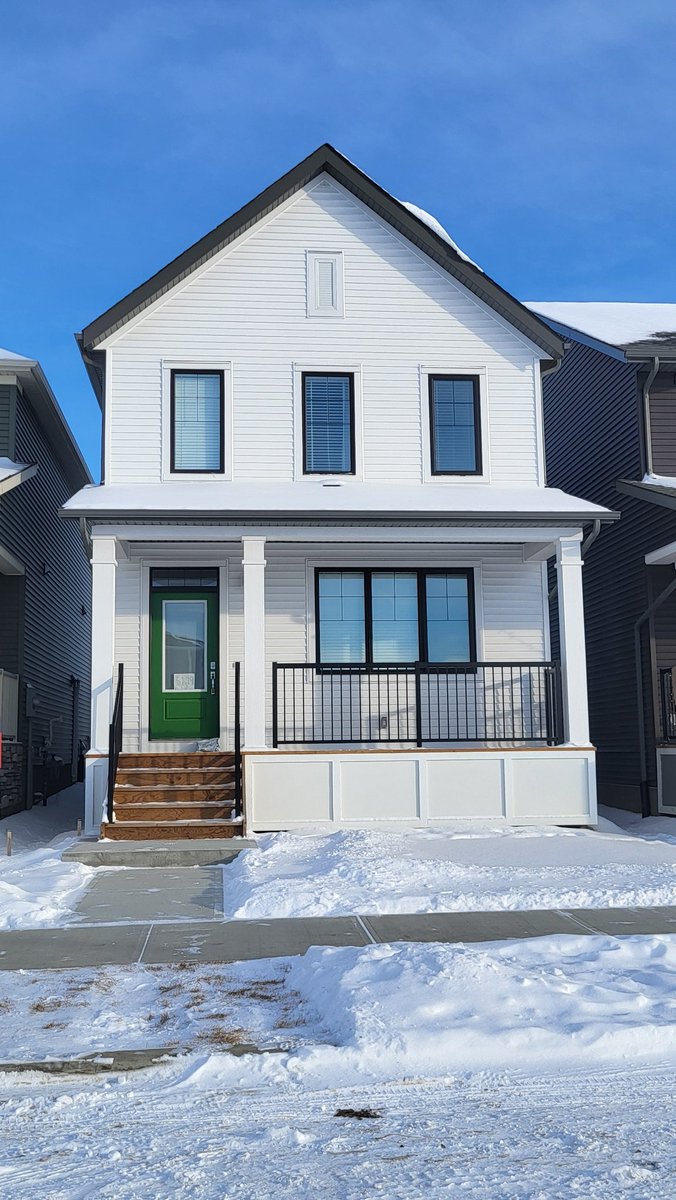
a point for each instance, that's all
(652, 608)
(647, 427)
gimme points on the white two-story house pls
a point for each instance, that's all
(321, 541)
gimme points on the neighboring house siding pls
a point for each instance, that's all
(6, 395)
(249, 308)
(511, 609)
(57, 586)
(663, 423)
(592, 439)
(11, 609)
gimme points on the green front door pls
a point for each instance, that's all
(184, 664)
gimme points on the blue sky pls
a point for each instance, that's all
(539, 132)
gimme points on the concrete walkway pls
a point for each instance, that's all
(221, 941)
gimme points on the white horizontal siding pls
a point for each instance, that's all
(510, 608)
(249, 308)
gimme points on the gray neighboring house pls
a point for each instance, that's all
(45, 591)
(610, 437)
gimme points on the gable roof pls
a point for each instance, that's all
(641, 330)
(399, 216)
(36, 388)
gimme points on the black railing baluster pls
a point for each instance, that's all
(115, 740)
(238, 734)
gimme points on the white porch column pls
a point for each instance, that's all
(253, 562)
(104, 562)
(571, 634)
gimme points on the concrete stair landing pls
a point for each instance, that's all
(172, 797)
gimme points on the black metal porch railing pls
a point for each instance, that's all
(115, 740)
(668, 704)
(238, 741)
(418, 703)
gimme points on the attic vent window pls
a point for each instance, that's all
(324, 284)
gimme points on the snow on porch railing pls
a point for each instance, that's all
(417, 703)
(9, 704)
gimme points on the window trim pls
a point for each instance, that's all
(173, 372)
(432, 378)
(481, 418)
(350, 375)
(421, 574)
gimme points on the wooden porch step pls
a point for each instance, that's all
(210, 810)
(168, 795)
(186, 777)
(170, 761)
(144, 831)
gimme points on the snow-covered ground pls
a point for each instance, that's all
(36, 887)
(378, 1013)
(464, 867)
(540, 1069)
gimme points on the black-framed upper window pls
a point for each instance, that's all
(455, 424)
(197, 421)
(328, 424)
(395, 616)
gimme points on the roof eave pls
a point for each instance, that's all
(163, 516)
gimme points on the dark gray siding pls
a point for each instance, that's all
(57, 588)
(11, 621)
(663, 422)
(6, 395)
(592, 439)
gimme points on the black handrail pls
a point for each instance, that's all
(115, 740)
(416, 703)
(238, 745)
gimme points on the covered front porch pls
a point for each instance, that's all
(351, 674)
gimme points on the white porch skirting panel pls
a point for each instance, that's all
(549, 786)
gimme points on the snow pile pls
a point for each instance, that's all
(38, 889)
(461, 868)
(535, 1006)
(437, 227)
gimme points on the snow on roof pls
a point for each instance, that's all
(438, 228)
(9, 468)
(616, 323)
(273, 501)
(13, 473)
(9, 354)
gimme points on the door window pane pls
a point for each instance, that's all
(448, 623)
(196, 421)
(327, 424)
(394, 596)
(453, 425)
(184, 641)
(342, 627)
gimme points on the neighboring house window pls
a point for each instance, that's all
(328, 424)
(395, 616)
(455, 425)
(197, 421)
(324, 285)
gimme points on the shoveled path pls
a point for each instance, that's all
(220, 941)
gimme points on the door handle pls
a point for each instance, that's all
(212, 676)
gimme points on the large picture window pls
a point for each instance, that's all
(197, 435)
(395, 616)
(455, 424)
(328, 424)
